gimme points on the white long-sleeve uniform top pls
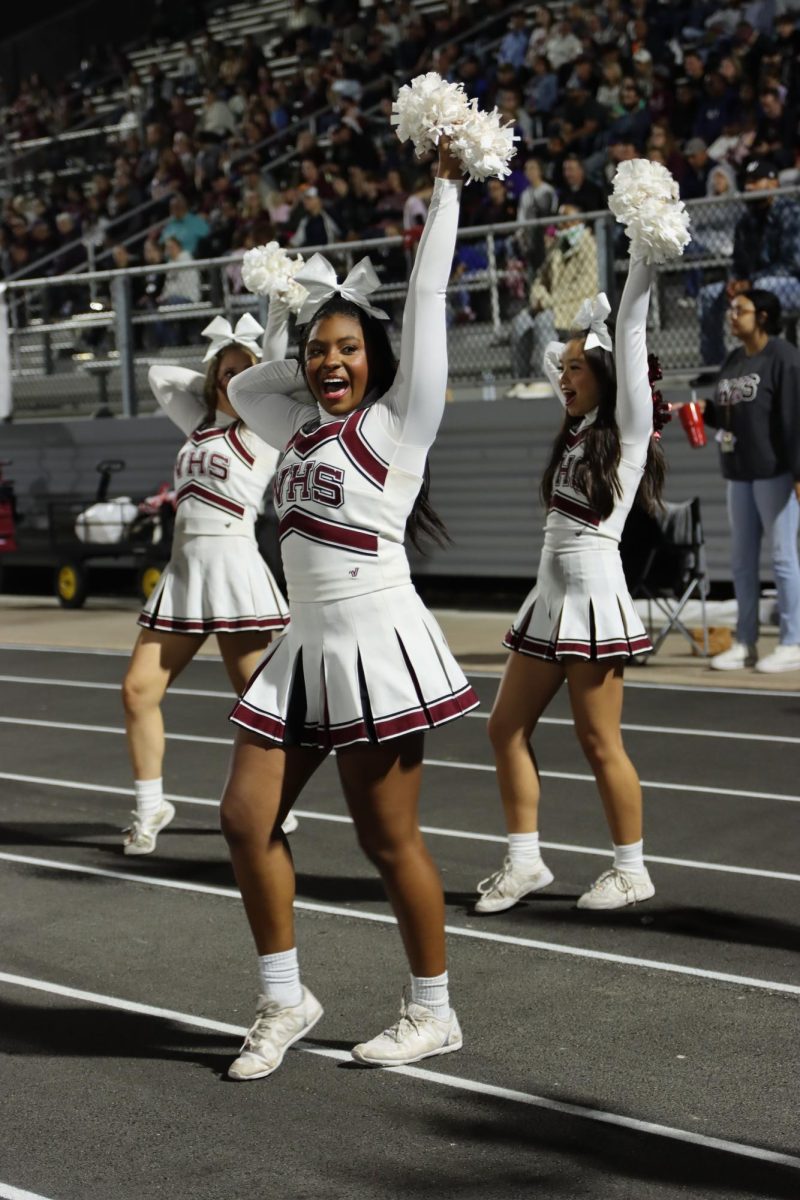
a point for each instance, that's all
(223, 469)
(569, 512)
(344, 487)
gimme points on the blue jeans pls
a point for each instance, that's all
(712, 305)
(754, 508)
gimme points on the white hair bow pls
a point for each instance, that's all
(319, 279)
(592, 315)
(247, 333)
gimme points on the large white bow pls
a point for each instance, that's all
(592, 315)
(319, 279)
(247, 333)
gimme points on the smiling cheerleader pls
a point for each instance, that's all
(579, 623)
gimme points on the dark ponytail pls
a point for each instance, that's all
(423, 520)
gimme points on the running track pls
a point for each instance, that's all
(649, 1053)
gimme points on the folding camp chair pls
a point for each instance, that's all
(663, 557)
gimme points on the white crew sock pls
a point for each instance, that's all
(523, 850)
(149, 795)
(431, 992)
(280, 977)
(629, 858)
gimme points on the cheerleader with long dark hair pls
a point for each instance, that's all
(579, 625)
(363, 668)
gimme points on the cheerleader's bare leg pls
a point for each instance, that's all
(381, 785)
(595, 693)
(156, 661)
(241, 653)
(526, 689)
(263, 783)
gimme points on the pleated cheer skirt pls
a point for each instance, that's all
(580, 607)
(215, 584)
(367, 668)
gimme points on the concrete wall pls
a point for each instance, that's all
(486, 467)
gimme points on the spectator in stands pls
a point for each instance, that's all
(215, 115)
(713, 224)
(186, 226)
(567, 276)
(317, 227)
(514, 46)
(633, 119)
(188, 70)
(581, 117)
(694, 180)
(766, 254)
(577, 189)
(684, 108)
(776, 134)
(562, 46)
(538, 200)
(541, 90)
(182, 286)
(608, 93)
(716, 109)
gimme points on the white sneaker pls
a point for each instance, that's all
(140, 837)
(290, 824)
(783, 658)
(274, 1030)
(508, 885)
(418, 1034)
(735, 659)
(616, 889)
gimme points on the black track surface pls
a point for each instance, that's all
(104, 1102)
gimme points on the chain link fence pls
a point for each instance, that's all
(82, 344)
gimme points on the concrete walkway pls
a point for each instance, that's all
(474, 637)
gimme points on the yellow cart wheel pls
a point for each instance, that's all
(148, 580)
(71, 588)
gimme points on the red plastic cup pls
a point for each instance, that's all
(692, 421)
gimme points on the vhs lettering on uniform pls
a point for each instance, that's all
(200, 462)
(738, 391)
(317, 481)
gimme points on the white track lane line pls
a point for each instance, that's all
(7, 1192)
(456, 1082)
(652, 687)
(433, 830)
(359, 914)
(480, 714)
(429, 762)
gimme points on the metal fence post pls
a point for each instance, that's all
(605, 257)
(494, 298)
(121, 296)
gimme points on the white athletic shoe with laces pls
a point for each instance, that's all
(140, 837)
(508, 885)
(616, 889)
(782, 658)
(418, 1034)
(274, 1030)
(736, 659)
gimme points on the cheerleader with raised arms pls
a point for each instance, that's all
(363, 668)
(579, 624)
(216, 581)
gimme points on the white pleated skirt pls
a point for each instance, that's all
(368, 668)
(215, 584)
(580, 607)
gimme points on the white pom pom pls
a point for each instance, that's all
(429, 107)
(426, 108)
(646, 201)
(484, 146)
(270, 271)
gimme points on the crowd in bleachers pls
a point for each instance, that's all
(209, 153)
